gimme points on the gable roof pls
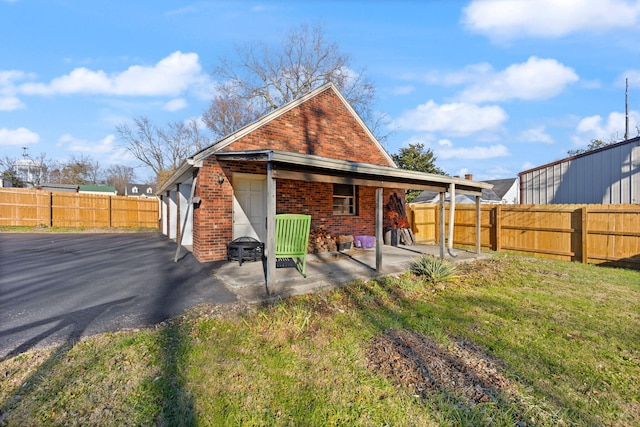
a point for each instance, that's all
(185, 170)
(226, 141)
(502, 186)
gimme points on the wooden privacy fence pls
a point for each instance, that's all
(586, 233)
(19, 207)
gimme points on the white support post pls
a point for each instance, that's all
(379, 230)
(478, 226)
(452, 212)
(442, 225)
(270, 244)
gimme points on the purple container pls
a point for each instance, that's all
(364, 242)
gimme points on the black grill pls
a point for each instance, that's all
(245, 249)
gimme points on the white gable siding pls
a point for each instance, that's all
(606, 176)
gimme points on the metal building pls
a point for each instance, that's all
(608, 175)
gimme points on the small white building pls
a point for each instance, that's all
(608, 175)
(29, 171)
(140, 190)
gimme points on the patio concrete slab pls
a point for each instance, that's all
(326, 271)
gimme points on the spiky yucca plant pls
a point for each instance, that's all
(433, 269)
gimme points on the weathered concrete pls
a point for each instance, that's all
(325, 271)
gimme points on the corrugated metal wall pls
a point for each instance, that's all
(606, 176)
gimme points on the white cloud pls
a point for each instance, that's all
(610, 129)
(474, 153)
(169, 77)
(402, 90)
(106, 149)
(445, 143)
(71, 143)
(8, 77)
(537, 134)
(175, 104)
(535, 79)
(10, 103)
(8, 99)
(455, 118)
(469, 74)
(509, 19)
(632, 75)
(20, 136)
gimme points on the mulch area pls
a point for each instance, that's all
(425, 366)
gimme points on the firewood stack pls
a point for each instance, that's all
(321, 241)
(396, 219)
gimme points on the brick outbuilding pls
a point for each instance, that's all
(312, 156)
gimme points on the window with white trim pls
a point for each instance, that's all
(344, 199)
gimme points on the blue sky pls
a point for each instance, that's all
(493, 87)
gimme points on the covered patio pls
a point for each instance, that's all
(308, 167)
(327, 270)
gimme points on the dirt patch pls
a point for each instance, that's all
(425, 366)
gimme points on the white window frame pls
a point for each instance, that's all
(345, 205)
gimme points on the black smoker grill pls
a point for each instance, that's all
(245, 249)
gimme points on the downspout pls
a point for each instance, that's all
(452, 209)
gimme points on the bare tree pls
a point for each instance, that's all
(262, 79)
(229, 112)
(119, 176)
(8, 171)
(161, 149)
(76, 170)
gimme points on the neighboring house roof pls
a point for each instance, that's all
(140, 190)
(502, 186)
(59, 187)
(97, 189)
(488, 196)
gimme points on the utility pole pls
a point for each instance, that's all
(626, 109)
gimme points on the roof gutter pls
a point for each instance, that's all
(189, 165)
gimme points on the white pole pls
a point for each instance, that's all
(452, 209)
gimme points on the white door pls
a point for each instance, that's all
(250, 206)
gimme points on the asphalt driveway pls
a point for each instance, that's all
(57, 288)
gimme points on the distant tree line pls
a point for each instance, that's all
(76, 170)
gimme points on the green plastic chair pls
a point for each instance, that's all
(292, 239)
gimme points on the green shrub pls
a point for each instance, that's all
(433, 269)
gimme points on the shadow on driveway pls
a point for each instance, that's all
(58, 288)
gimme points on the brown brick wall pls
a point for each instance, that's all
(321, 126)
(213, 226)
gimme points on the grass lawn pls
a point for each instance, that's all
(512, 341)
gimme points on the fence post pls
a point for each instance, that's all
(585, 234)
(436, 225)
(50, 208)
(497, 212)
(478, 226)
(110, 213)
